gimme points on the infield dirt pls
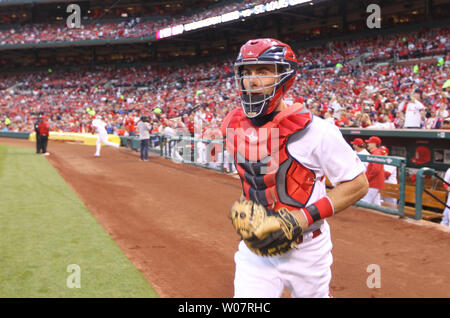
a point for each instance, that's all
(171, 221)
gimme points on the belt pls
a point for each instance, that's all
(315, 234)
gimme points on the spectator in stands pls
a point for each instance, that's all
(365, 95)
(443, 112)
(432, 121)
(382, 122)
(446, 123)
(345, 119)
(365, 121)
(130, 125)
(414, 113)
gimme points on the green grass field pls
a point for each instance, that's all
(45, 228)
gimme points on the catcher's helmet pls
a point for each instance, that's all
(265, 51)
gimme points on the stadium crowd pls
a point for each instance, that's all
(399, 46)
(94, 28)
(362, 94)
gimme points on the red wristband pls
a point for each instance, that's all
(321, 209)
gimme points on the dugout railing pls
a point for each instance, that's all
(400, 164)
(186, 149)
(426, 199)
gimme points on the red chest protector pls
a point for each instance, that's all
(268, 173)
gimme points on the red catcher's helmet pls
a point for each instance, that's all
(422, 155)
(265, 51)
(385, 150)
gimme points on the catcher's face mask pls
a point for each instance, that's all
(264, 71)
(257, 84)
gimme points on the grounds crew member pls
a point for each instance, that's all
(44, 131)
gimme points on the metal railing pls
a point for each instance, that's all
(398, 162)
(186, 149)
(420, 190)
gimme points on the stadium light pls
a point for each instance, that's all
(170, 31)
(229, 16)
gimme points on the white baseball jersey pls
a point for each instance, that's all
(322, 149)
(99, 125)
(304, 270)
(365, 152)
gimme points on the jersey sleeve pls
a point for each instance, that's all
(324, 150)
(339, 161)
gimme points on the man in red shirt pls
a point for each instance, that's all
(130, 126)
(374, 172)
(44, 131)
(189, 122)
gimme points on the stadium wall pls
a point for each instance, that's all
(420, 148)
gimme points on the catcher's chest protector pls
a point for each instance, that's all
(269, 175)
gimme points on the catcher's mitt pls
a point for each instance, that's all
(265, 232)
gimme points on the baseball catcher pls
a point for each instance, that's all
(283, 154)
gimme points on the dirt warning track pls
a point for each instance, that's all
(171, 220)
